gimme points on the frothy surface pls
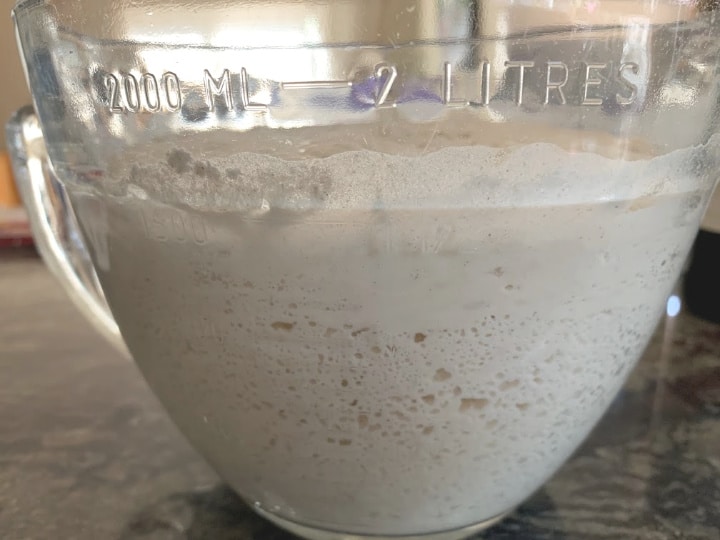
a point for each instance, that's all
(401, 166)
(393, 344)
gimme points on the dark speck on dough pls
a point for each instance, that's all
(205, 170)
(135, 174)
(179, 161)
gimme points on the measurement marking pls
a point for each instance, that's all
(557, 85)
(326, 85)
(128, 93)
(392, 74)
(521, 65)
(486, 82)
(245, 94)
(132, 93)
(447, 88)
(113, 88)
(635, 69)
(592, 79)
(171, 82)
(151, 92)
(218, 88)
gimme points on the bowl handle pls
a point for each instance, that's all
(54, 225)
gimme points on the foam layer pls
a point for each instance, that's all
(402, 167)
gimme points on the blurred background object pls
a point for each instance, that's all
(14, 230)
(9, 197)
(702, 281)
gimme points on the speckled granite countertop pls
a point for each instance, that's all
(86, 452)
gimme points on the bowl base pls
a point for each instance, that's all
(312, 533)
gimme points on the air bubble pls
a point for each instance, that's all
(361, 331)
(285, 326)
(469, 404)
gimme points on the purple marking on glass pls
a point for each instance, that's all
(364, 94)
(419, 92)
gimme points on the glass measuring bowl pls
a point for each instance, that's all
(384, 262)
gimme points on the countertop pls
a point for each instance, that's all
(87, 453)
